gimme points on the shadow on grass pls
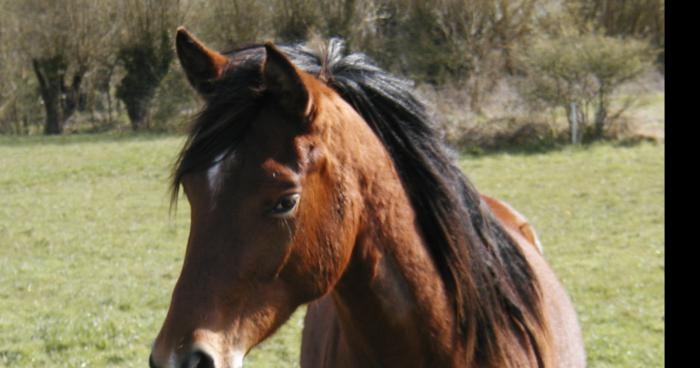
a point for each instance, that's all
(522, 150)
(636, 141)
(81, 138)
(551, 147)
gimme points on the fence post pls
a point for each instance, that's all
(573, 120)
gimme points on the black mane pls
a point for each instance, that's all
(492, 287)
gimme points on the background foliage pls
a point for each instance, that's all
(82, 66)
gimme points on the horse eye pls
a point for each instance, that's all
(285, 205)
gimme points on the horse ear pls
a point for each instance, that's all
(284, 82)
(203, 66)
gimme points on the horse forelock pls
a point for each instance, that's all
(492, 287)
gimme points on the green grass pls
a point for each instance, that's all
(599, 212)
(89, 255)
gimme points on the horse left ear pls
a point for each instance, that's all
(284, 82)
(203, 66)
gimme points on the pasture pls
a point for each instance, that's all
(89, 254)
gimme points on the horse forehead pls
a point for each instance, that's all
(273, 170)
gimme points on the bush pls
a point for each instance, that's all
(502, 123)
(585, 70)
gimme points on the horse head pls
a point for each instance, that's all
(273, 210)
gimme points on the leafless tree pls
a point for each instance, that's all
(61, 39)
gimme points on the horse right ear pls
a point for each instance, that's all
(203, 66)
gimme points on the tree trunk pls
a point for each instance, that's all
(572, 115)
(601, 115)
(71, 98)
(47, 71)
(54, 120)
(109, 107)
(146, 63)
(137, 109)
(60, 100)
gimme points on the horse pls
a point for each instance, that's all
(316, 178)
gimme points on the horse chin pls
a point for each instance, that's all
(236, 360)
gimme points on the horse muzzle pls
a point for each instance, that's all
(198, 358)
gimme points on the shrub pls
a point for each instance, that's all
(584, 70)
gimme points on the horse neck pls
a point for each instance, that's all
(392, 305)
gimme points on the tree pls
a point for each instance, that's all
(16, 81)
(451, 41)
(584, 70)
(60, 39)
(613, 62)
(226, 24)
(642, 19)
(145, 53)
(294, 19)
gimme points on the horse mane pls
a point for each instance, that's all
(493, 289)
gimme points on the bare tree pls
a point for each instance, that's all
(454, 41)
(639, 18)
(226, 24)
(294, 19)
(60, 39)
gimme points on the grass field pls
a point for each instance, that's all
(89, 255)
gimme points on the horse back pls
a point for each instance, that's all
(566, 343)
(513, 220)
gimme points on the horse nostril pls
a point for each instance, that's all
(198, 359)
(151, 363)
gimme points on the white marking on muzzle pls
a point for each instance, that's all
(237, 359)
